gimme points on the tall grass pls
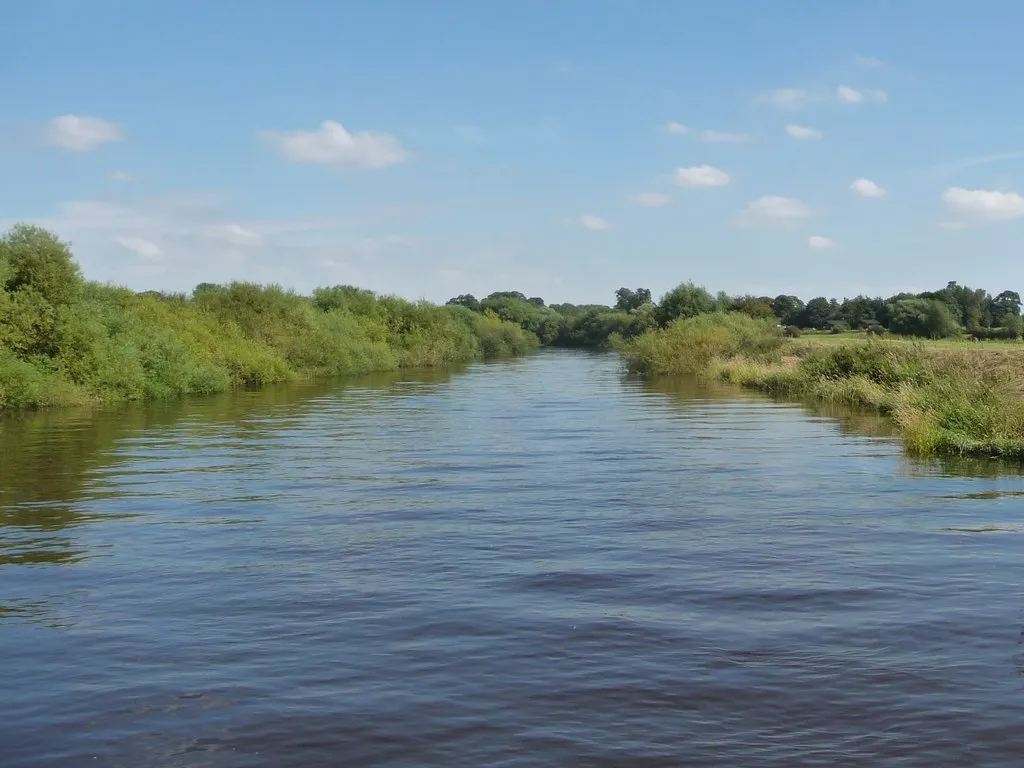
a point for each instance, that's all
(64, 341)
(967, 402)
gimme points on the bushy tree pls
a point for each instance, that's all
(465, 300)
(759, 307)
(685, 300)
(817, 313)
(928, 318)
(627, 299)
(787, 309)
(38, 261)
(1004, 307)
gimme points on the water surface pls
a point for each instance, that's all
(534, 563)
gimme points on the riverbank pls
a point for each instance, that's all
(945, 400)
(65, 341)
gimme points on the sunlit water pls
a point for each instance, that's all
(534, 563)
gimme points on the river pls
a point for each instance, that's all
(540, 562)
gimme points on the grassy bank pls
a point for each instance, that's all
(65, 341)
(965, 399)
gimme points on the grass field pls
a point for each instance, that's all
(961, 398)
(825, 339)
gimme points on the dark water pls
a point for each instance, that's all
(536, 563)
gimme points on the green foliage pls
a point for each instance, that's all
(64, 341)
(788, 309)
(627, 300)
(928, 318)
(757, 307)
(683, 301)
(689, 345)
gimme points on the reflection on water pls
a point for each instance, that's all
(537, 562)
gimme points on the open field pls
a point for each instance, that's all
(811, 339)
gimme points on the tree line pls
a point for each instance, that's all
(952, 311)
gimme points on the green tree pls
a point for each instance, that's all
(928, 318)
(626, 299)
(787, 309)
(757, 307)
(1005, 306)
(465, 300)
(685, 300)
(37, 260)
(817, 313)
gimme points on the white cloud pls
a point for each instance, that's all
(235, 234)
(121, 176)
(145, 248)
(82, 133)
(331, 144)
(867, 188)
(677, 128)
(651, 199)
(701, 176)
(594, 222)
(848, 95)
(721, 137)
(819, 243)
(803, 133)
(784, 98)
(773, 211)
(983, 204)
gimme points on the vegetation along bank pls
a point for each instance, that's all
(945, 364)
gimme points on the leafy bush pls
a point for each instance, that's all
(689, 345)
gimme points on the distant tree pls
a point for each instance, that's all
(928, 318)
(537, 300)
(787, 309)
(755, 306)
(1004, 307)
(626, 299)
(202, 288)
(465, 300)
(685, 300)
(507, 295)
(817, 313)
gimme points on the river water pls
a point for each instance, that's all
(541, 562)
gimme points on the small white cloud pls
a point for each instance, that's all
(803, 133)
(784, 98)
(721, 137)
(82, 133)
(651, 199)
(867, 188)
(848, 95)
(869, 62)
(121, 176)
(774, 211)
(331, 144)
(677, 128)
(702, 176)
(594, 222)
(819, 243)
(234, 234)
(147, 249)
(984, 204)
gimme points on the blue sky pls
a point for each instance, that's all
(561, 149)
